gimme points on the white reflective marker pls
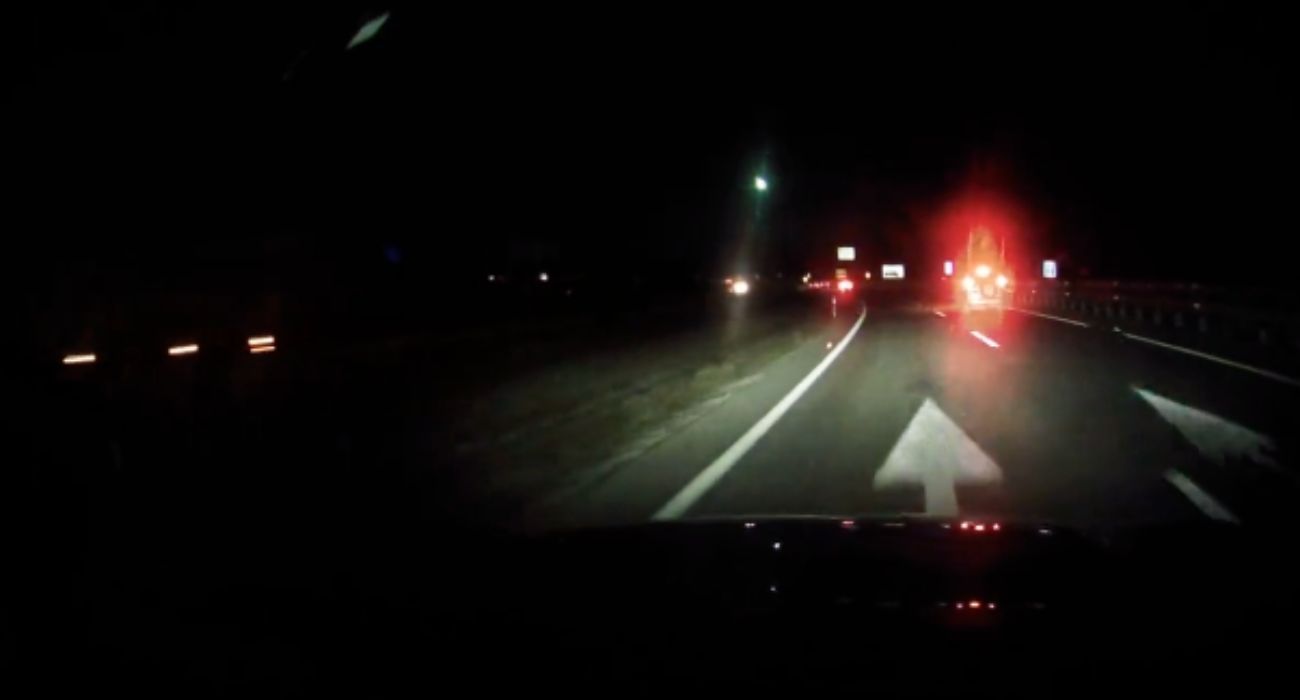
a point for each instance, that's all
(682, 502)
(259, 340)
(1215, 358)
(261, 349)
(183, 349)
(985, 339)
(1199, 498)
(1049, 269)
(82, 359)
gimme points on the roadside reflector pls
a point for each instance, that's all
(82, 359)
(259, 340)
(190, 349)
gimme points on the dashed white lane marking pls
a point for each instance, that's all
(985, 339)
(700, 485)
(940, 314)
(1050, 317)
(1215, 358)
(1199, 498)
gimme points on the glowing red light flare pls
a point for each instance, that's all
(965, 525)
(845, 285)
(975, 605)
(979, 528)
(997, 526)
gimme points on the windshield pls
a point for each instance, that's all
(302, 291)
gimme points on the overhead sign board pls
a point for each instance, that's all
(1049, 269)
(891, 272)
(846, 253)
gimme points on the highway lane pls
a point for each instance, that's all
(1058, 422)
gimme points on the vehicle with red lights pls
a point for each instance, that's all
(984, 279)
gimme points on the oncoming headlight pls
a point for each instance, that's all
(968, 283)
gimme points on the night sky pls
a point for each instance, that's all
(1141, 144)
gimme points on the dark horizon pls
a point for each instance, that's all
(1157, 145)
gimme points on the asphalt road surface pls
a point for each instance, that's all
(913, 410)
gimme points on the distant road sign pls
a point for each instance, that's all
(1049, 269)
(846, 253)
(892, 272)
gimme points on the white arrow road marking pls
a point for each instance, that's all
(937, 454)
(1199, 498)
(705, 480)
(1217, 439)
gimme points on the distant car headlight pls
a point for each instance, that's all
(968, 283)
(845, 285)
(740, 288)
(1002, 281)
(983, 271)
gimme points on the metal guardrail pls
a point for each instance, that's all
(1267, 317)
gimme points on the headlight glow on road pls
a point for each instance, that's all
(983, 271)
(79, 359)
(740, 288)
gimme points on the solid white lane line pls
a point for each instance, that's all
(1050, 317)
(985, 339)
(1199, 498)
(679, 504)
(1215, 358)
